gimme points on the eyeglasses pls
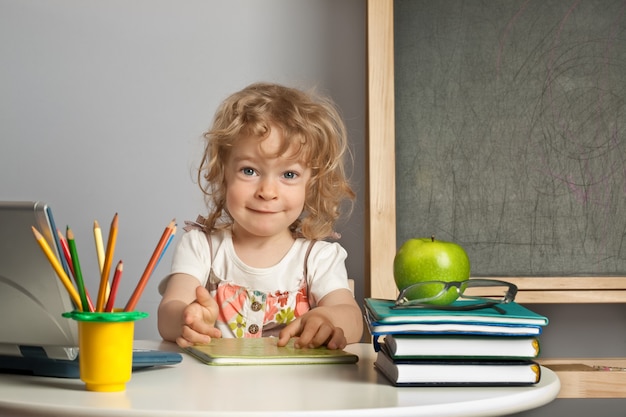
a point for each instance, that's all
(472, 294)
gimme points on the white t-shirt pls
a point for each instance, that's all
(325, 272)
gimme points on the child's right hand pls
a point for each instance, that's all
(199, 319)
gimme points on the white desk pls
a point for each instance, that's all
(194, 389)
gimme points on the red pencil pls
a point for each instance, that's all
(116, 282)
(66, 251)
(132, 302)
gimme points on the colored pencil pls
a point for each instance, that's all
(68, 256)
(78, 273)
(57, 242)
(66, 251)
(132, 302)
(167, 245)
(108, 260)
(56, 265)
(97, 236)
(114, 286)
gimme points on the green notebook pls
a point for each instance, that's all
(512, 314)
(264, 351)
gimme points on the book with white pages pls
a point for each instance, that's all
(461, 346)
(457, 372)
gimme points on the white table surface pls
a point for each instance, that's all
(195, 389)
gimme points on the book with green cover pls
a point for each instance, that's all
(511, 314)
(264, 351)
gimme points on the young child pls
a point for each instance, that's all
(273, 177)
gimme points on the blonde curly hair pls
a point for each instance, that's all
(311, 124)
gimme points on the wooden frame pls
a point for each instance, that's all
(578, 376)
(381, 197)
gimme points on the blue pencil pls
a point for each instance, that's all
(165, 248)
(57, 243)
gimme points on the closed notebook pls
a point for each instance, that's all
(265, 351)
(377, 328)
(460, 372)
(492, 347)
(511, 314)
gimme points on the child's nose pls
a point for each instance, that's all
(267, 189)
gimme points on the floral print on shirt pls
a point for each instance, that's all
(252, 313)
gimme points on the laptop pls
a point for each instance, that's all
(34, 338)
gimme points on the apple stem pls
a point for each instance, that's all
(433, 238)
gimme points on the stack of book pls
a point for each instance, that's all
(484, 347)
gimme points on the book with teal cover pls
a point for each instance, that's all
(510, 314)
(381, 320)
(264, 351)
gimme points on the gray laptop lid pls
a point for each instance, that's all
(32, 298)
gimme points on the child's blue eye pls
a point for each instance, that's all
(247, 171)
(290, 175)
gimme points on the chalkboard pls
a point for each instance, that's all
(510, 132)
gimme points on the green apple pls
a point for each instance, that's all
(427, 259)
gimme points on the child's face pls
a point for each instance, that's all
(264, 194)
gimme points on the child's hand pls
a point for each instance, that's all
(199, 320)
(314, 330)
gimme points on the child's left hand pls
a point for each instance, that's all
(314, 330)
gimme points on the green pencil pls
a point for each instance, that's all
(78, 275)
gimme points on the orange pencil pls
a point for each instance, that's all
(106, 269)
(114, 285)
(58, 268)
(132, 302)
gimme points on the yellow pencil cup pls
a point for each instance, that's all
(105, 346)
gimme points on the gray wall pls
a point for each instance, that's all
(103, 104)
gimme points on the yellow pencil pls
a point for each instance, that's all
(106, 268)
(97, 236)
(56, 265)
